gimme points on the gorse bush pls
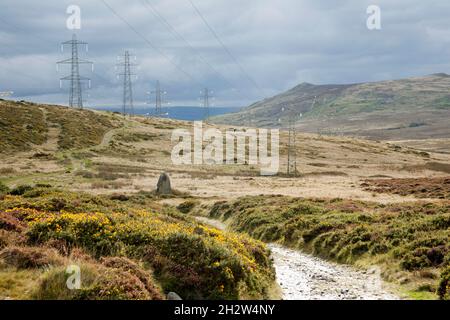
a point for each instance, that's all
(191, 259)
(230, 259)
(54, 200)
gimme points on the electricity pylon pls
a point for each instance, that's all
(206, 103)
(159, 99)
(75, 96)
(6, 93)
(127, 106)
(292, 146)
(292, 149)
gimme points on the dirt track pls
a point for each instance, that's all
(304, 277)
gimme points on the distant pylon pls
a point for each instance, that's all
(292, 149)
(159, 99)
(206, 103)
(75, 96)
(127, 105)
(6, 93)
(292, 144)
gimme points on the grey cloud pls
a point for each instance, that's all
(279, 43)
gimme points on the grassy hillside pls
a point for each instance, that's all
(410, 241)
(21, 125)
(398, 109)
(24, 125)
(102, 152)
(82, 193)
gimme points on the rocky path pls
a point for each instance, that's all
(302, 276)
(305, 277)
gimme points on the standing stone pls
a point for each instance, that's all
(163, 186)
(173, 296)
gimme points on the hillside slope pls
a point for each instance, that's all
(109, 172)
(24, 125)
(415, 108)
(103, 152)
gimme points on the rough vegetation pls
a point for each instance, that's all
(24, 124)
(134, 244)
(183, 256)
(79, 128)
(408, 239)
(419, 187)
(444, 285)
(21, 125)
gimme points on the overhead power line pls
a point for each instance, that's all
(46, 60)
(149, 42)
(151, 8)
(216, 36)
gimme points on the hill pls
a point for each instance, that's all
(415, 108)
(78, 186)
(26, 124)
(103, 152)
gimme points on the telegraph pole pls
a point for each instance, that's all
(75, 96)
(126, 65)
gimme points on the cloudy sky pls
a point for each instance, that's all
(272, 46)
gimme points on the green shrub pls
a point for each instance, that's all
(444, 285)
(35, 192)
(187, 206)
(20, 190)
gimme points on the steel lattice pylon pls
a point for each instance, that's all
(126, 65)
(206, 103)
(75, 95)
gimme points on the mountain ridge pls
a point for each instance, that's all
(417, 107)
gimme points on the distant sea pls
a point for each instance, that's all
(179, 113)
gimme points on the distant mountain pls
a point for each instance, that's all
(414, 108)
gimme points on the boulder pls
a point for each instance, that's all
(163, 186)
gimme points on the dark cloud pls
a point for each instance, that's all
(279, 43)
